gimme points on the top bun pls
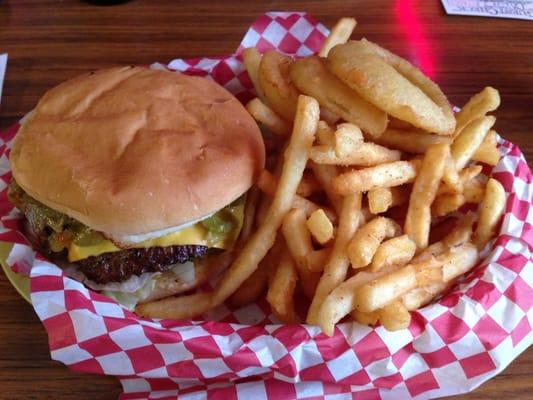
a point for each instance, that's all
(131, 150)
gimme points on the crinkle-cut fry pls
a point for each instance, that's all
(410, 141)
(397, 251)
(268, 183)
(340, 302)
(320, 226)
(265, 115)
(339, 34)
(325, 134)
(477, 107)
(336, 268)
(251, 59)
(384, 175)
(280, 293)
(467, 142)
(381, 199)
(325, 174)
(275, 80)
(317, 259)
(179, 308)
(450, 264)
(313, 78)
(491, 210)
(364, 155)
(367, 239)
(487, 152)
(298, 239)
(296, 155)
(348, 137)
(418, 219)
(394, 316)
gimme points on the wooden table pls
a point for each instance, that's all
(50, 41)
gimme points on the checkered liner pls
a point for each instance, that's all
(452, 346)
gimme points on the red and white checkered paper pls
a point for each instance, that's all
(451, 347)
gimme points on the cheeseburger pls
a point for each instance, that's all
(133, 176)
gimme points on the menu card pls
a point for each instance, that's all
(517, 9)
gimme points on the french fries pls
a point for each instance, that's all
(317, 259)
(347, 139)
(325, 134)
(492, 209)
(367, 239)
(297, 236)
(467, 142)
(394, 252)
(320, 226)
(341, 301)
(325, 174)
(394, 316)
(487, 152)
(268, 183)
(308, 185)
(382, 291)
(264, 114)
(384, 175)
(411, 141)
(280, 293)
(364, 155)
(477, 107)
(382, 198)
(310, 216)
(418, 219)
(252, 287)
(340, 33)
(180, 308)
(256, 283)
(298, 241)
(337, 266)
(296, 155)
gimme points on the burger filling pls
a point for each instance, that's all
(103, 261)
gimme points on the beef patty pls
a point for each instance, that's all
(119, 266)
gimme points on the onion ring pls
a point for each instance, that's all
(392, 84)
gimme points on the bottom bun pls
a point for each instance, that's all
(168, 284)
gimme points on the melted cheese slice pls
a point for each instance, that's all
(195, 234)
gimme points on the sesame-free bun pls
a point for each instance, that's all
(131, 150)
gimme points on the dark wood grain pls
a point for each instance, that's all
(50, 41)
